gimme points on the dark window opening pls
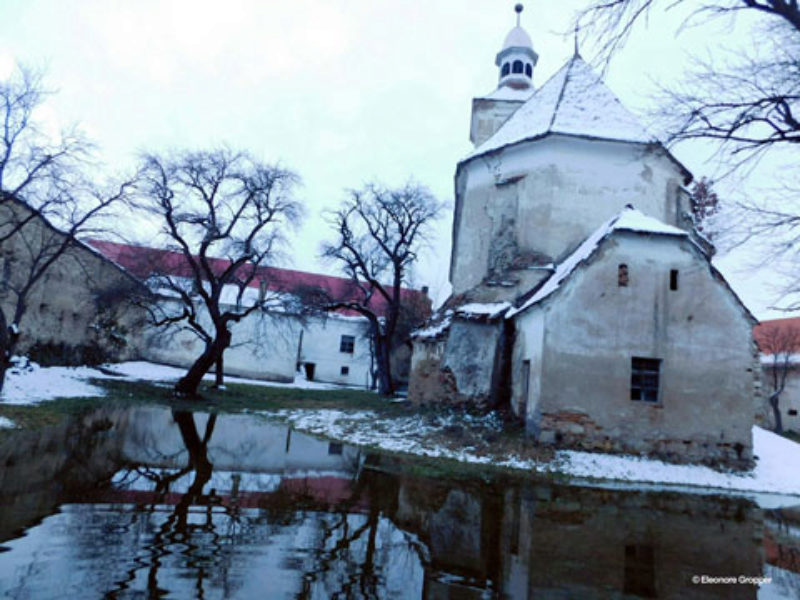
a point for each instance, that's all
(622, 275)
(526, 387)
(310, 367)
(344, 371)
(517, 66)
(334, 448)
(673, 279)
(506, 70)
(640, 571)
(529, 70)
(792, 412)
(347, 344)
(645, 374)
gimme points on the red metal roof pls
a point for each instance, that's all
(765, 334)
(143, 262)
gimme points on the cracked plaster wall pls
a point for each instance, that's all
(708, 373)
(544, 197)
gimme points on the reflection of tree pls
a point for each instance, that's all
(177, 529)
(354, 551)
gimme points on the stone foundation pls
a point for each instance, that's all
(572, 429)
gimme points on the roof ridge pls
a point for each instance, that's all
(561, 94)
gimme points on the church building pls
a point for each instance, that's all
(582, 295)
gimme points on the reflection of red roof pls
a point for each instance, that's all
(781, 555)
(144, 262)
(327, 491)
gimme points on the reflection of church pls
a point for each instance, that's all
(159, 503)
(582, 294)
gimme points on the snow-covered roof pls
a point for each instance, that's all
(517, 38)
(488, 310)
(629, 219)
(508, 93)
(574, 101)
(439, 323)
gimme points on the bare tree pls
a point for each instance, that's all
(746, 103)
(46, 201)
(378, 234)
(780, 341)
(225, 214)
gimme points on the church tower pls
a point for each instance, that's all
(515, 63)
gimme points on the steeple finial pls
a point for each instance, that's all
(518, 9)
(577, 51)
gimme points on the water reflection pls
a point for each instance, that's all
(148, 502)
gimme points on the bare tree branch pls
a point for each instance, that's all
(378, 233)
(225, 215)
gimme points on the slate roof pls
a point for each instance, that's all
(574, 101)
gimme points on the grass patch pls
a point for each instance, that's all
(236, 398)
(792, 435)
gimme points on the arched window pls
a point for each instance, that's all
(529, 70)
(517, 66)
(506, 70)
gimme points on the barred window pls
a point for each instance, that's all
(645, 374)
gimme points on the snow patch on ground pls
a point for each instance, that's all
(775, 471)
(6, 423)
(29, 383)
(148, 371)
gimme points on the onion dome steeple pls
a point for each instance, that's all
(517, 58)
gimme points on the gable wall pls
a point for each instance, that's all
(592, 328)
(80, 303)
(546, 196)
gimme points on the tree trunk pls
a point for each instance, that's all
(773, 401)
(219, 372)
(188, 384)
(8, 342)
(384, 367)
(5, 350)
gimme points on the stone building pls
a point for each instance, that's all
(77, 311)
(602, 325)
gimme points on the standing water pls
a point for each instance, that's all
(149, 502)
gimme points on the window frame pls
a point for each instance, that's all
(347, 344)
(645, 382)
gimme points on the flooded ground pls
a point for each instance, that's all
(150, 503)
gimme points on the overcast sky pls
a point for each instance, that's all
(341, 91)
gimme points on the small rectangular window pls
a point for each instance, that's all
(334, 448)
(344, 371)
(622, 275)
(792, 412)
(673, 279)
(645, 374)
(347, 344)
